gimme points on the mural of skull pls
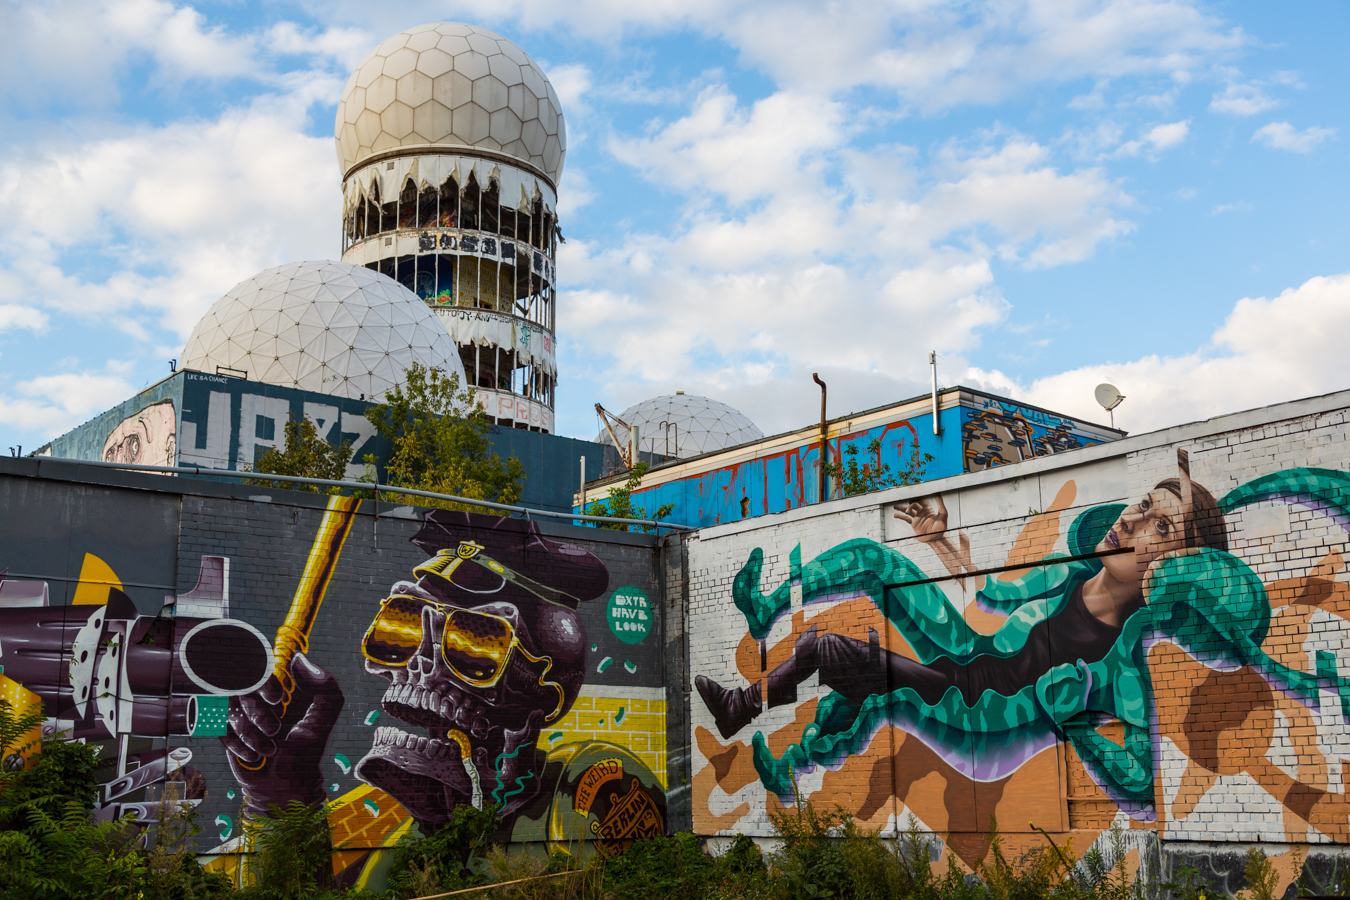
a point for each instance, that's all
(483, 650)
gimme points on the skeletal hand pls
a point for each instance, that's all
(276, 750)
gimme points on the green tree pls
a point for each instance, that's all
(305, 455)
(620, 503)
(438, 437)
(860, 479)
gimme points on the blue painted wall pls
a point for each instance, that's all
(984, 431)
(790, 478)
(223, 423)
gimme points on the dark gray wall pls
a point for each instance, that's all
(570, 739)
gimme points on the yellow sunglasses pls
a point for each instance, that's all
(476, 646)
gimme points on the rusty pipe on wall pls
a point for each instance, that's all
(824, 441)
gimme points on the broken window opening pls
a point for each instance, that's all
(491, 205)
(407, 206)
(428, 207)
(468, 203)
(425, 278)
(449, 204)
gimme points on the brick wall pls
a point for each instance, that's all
(1213, 717)
(515, 668)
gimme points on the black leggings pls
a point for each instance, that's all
(858, 670)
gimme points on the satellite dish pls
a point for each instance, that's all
(1108, 396)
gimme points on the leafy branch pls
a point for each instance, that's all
(620, 503)
(876, 475)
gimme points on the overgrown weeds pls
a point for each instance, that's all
(444, 859)
(50, 847)
(293, 853)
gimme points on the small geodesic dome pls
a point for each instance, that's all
(684, 425)
(323, 326)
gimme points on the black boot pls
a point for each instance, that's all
(732, 709)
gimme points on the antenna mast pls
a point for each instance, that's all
(627, 449)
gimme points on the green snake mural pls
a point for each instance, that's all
(1059, 666)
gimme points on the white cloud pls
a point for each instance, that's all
(76, 51)
(574, 192)
(1164, 136)
(931, 54)
(796, 252)
(1236, 206)
(1267, 351)
(790, 246)
(572, 82)
(1283, 136)
(53, 403)
(1242, 100)
(741, 154)
(345, 46)
(183, 212)
(1105, 140)
(13, 315)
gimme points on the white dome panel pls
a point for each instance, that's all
(686, 425)
(404, 92)
(316, 326)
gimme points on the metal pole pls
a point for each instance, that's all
(932, 364)
(824, 440)
(354, 485)
(583, 484)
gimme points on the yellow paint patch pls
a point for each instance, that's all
(640, 731)
(96, 578)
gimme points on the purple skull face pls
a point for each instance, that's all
(482, 656)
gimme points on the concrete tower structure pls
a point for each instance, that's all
(451, 142)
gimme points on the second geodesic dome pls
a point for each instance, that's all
(685, 425)
(323, 326)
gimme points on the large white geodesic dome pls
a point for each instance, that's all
(684, 425)
(447, 84)
(322, 326)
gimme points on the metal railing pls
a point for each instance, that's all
(528, 512)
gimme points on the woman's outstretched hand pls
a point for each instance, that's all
(927, 518)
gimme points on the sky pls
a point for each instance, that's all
(1047, 193)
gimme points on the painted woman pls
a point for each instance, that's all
(1070, 655)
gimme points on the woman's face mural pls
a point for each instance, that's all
(1151, 527)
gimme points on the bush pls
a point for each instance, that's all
(293, 855)
(444, 859)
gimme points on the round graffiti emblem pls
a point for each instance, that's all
(629, 615)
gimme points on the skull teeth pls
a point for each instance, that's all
(395, 738)
(445, 707)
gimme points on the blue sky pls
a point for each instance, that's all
(1049, 194)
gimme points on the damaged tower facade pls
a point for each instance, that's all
(451, 142)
